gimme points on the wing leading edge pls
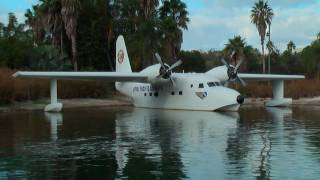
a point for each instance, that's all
(268, 77)
(106, 76)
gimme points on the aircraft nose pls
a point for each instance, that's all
(240, 99)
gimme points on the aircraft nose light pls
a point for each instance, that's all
(240, 99)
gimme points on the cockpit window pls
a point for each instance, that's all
(212, 84)
(201, 85)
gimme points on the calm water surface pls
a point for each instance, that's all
(130, 143)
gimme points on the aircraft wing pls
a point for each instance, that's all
(268, 77)
(105, 76)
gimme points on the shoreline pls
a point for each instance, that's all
(123, 101)
(311, 101)
(39, 105)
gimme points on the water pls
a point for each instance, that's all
(129, 143)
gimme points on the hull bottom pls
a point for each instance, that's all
(233, 107)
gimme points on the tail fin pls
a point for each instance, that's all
(122, 59)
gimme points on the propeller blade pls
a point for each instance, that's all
(159, 60)
(232, 54)
(225, 62)
(242, 81)
(238, 65)
(172, 81)
(176, 64)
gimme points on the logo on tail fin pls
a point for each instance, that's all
(120, 56)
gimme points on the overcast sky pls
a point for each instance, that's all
(213, 22)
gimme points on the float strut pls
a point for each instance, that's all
(54, 106)
(278, 97)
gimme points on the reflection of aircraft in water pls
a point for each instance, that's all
(168, 143)
(55, 120)
(164, 132)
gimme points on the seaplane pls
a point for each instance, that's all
(157, 86)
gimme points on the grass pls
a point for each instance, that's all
(17, 89)
(295, 89)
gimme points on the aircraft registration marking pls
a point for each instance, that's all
(146, 88)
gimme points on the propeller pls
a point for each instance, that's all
(166, 70)
(233, 70)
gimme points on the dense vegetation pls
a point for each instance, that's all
(81, 34)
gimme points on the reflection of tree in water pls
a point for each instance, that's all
(239, 143)
(264, 167)
(97, 167)
(139, 166)
(158, 131)
(77, 151)
(309, 118)
(167, 131)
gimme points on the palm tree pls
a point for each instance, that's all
(46, 17)
(274, 53)
(54, 22)
(148, 33)
(12, 25)
(261, 16)
(174, 17)
(34, 20)
(149, 7)
(237, 45)
(271, 47)
(1, 29)
(70, 12)
(31, 22)
(291, 47)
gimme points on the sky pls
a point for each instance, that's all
(213, 22)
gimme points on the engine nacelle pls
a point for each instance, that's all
(153, 72)
(220, 72)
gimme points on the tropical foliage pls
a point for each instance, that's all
(81, 35)
(85, 31)
(261, 16)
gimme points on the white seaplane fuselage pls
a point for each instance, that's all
(190, 91)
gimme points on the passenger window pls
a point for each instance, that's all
(201, 85)
(191, 85)
(180, 92)
(156, 94)
(172, 93)
(145, 94)
(150, 94)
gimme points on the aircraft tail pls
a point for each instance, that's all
(122, 58)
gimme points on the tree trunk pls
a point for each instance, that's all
(263, 59)
(269, 58)
(109, 61)
(74, 52)
(61, 42)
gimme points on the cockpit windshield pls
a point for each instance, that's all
(212, 84)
